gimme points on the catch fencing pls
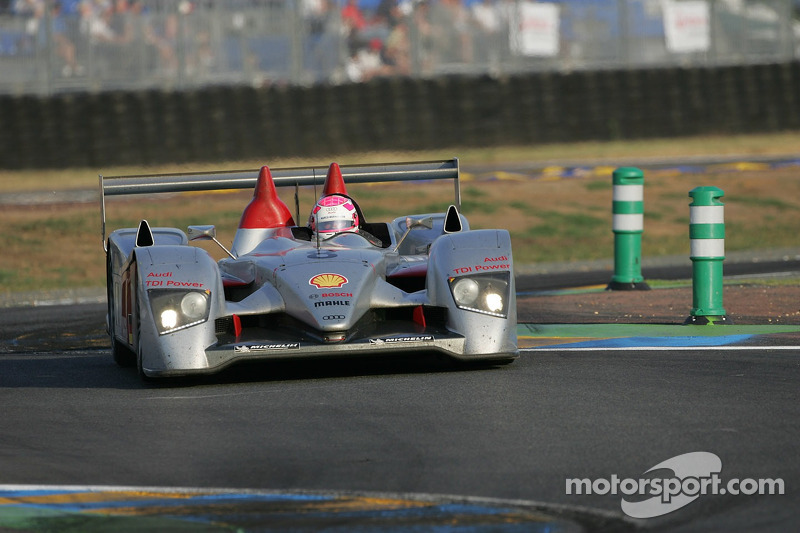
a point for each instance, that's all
(180, 45)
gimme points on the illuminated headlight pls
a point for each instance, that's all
(482, 293)
(169, 319)
(174, 310)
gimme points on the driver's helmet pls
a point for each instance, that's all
(333, 214)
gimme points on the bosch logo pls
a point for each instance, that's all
(333, 317)
(337, 294)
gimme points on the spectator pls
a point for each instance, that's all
(424, 34)
(387, 14)
(316, 14)
(353, 24)
(122, 22)
(453, 41)
(397, 54)
(27, 8)
(95, 22)
(47, 32)
(489, 25)
(353, 18)
(64, 47)
(366, 63)
(163, 38)
(486, 16)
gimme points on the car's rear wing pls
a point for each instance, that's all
(283, 177)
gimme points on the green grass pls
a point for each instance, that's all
(598, 185)
(764, 203)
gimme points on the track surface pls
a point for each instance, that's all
(515, 432)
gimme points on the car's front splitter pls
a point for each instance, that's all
(224, 355)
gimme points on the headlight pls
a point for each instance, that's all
(482, 293)
(169, 319)
(466, 291)
(194, 305)
(174, 310)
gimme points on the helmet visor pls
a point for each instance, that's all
(330, 226)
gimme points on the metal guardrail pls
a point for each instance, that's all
(175, 44)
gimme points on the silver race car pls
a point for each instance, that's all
(338, 286)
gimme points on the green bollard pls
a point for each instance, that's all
(628, 225)
(707, 237)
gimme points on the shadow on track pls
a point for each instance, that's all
(324, 368)
(95, 369)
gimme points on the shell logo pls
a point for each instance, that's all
(328, 281)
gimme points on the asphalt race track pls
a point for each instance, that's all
(391, 444)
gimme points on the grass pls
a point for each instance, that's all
(58, 246)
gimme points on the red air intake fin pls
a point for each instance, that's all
(266, 209)
(237, 326)
(334, 182)
(419, 316)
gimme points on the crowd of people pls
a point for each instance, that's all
(390, 37)
(109, 27)
(397, 33)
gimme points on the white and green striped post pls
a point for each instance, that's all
(628, 225)
(707, 237)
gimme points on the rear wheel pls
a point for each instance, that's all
(123, 356)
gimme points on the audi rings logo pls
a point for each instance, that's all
(333, 317)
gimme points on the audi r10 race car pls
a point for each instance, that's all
(339, 286)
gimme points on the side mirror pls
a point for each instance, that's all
(412, 223)
(206, 233)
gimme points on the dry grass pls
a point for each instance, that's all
(754, 145)
(549, 220)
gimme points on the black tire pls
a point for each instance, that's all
(139, 365)
(123, 356)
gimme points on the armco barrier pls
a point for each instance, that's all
(99, 130)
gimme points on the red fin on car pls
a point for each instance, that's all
(266, 209)
(334, 182)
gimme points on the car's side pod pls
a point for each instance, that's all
(144, 235)
(452, 220)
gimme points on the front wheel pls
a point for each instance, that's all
(139, 349)
(123, 356)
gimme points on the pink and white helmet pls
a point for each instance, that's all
(333, 214)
